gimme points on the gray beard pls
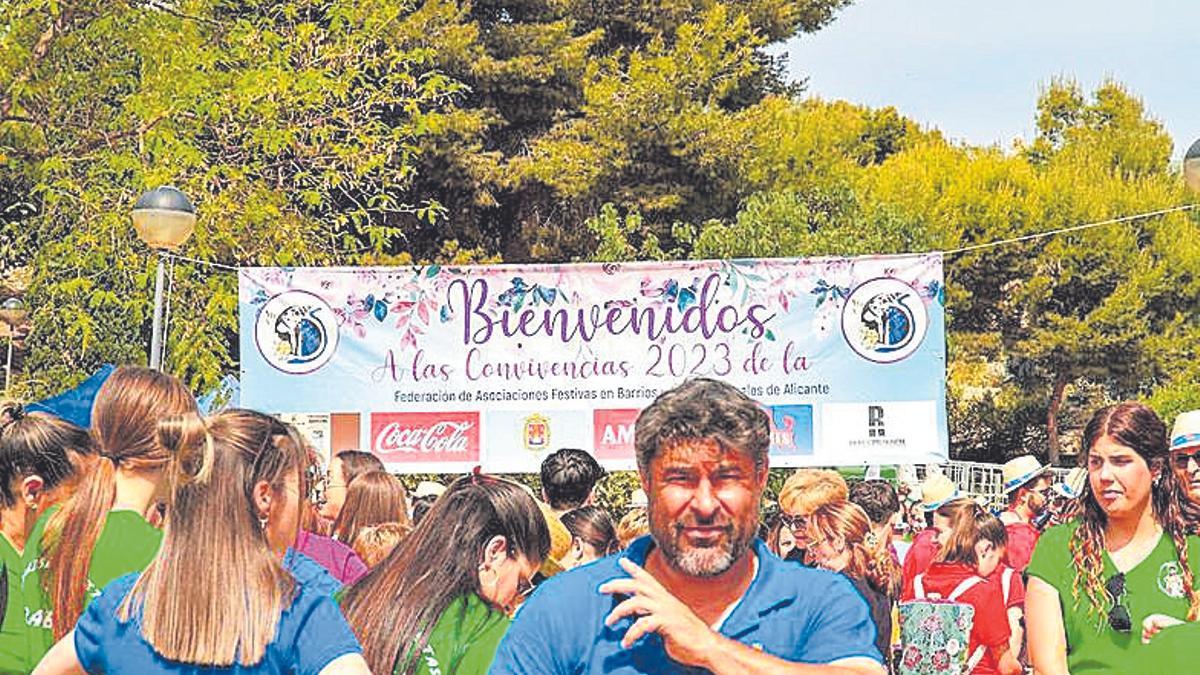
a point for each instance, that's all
(702, 562)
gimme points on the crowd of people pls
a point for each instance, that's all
(163, 541)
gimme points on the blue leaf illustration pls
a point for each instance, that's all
(546, 295)
(381, 311)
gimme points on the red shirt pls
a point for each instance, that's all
(1022, 537)
(990, 628)
(1016, 586)
(920, 554)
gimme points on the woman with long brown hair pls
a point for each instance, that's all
(102, 532)
(841, 540)
(38, 455)
(1124, 559)
(217, 597)
(440, 601)
(374, 497)
(345, 466)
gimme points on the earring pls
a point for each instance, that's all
(262, 522)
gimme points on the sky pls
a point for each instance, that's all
(974, 68)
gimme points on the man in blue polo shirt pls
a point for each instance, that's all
(701, 593)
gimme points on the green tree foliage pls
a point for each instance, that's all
(575, 104)
(346, 131)
(1040, 332)
(292, 125)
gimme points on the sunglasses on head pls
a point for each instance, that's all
(1118, 617)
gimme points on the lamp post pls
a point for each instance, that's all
(164, 218)
(12, 311)
(1191, 166)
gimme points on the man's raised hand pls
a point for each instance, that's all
(686, 637)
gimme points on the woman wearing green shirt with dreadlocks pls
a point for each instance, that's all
(1095, 581)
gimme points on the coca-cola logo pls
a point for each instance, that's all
(426, 437)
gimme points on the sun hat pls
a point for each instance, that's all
(937, 489)
(1020, 470)
(1186, 432)
(1072, 485)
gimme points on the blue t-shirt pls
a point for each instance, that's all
(790, 611)
(310, 574)
(312, 633)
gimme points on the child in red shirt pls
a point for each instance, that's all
(972, 544)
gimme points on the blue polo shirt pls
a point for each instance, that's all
(793, 612)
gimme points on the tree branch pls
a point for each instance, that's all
(36, 56)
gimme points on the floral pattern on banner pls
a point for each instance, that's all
(411, 299)
(934, 635)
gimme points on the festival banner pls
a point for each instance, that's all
(449, 367)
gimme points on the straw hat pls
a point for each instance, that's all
(560, 541)
(937, 489)
(1072, 486)
(1186, 432)
(1020, 470)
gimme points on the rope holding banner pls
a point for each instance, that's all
(951, 252)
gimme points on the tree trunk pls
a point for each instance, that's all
(1056, 400)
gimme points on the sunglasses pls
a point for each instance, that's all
(793, 523)
(1183, 460)
(1118, 617)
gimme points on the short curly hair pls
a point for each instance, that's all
(808, 489)
(703, 409)
(568, 476)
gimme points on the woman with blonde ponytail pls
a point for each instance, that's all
(841, 539)
(217, 598)
(1123, 570)
(102, 532)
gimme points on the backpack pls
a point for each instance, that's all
(935, 632)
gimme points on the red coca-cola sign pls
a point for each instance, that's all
(613, 433)
(426, 437)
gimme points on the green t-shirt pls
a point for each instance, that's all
(1153, 586)
(13, 634)
(126, 544)
(464, 639)
(1176, 649)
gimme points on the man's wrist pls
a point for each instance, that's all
(713, 650)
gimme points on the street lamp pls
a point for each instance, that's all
(12, 312)
(1191, 166)
(164, 218)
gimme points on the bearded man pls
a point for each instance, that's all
(701, 592)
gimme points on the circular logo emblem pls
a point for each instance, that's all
(884, 320)
(296, 332)
(1170, 580)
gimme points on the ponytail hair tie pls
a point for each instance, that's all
(10, 412)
